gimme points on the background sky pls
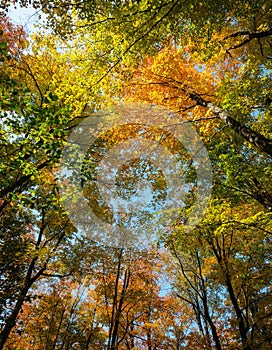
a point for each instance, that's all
(27, 17)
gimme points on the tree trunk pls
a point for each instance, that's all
(11, 321)
(258, 140)
(223, 263)
(239, 314)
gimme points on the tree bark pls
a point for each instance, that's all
(238, 312)
(256, 139)
(11, 321)
(223, 263)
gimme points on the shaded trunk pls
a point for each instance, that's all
(239, 314)
(212, 326)
(206, 307)
(29, 281)
(11, 321)
(119, 311)
(221, 257)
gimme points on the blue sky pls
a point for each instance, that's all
(27, 17)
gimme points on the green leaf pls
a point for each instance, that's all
(3, 45)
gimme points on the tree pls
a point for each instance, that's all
(213, 67)
(28, 188)
(179, 78)
(100, 311)
(142, 24)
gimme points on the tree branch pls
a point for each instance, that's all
(250, 37)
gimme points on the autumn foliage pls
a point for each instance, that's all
(210, 288)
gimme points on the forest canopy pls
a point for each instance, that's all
(204, 286)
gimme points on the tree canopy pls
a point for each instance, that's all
(210, 64)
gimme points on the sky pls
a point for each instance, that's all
(27, 17)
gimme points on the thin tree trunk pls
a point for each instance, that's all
(239, 314)
(206, 307)
(119, 310)
(223, 263)
(112, 328)
(29, 281)
(11, 321)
